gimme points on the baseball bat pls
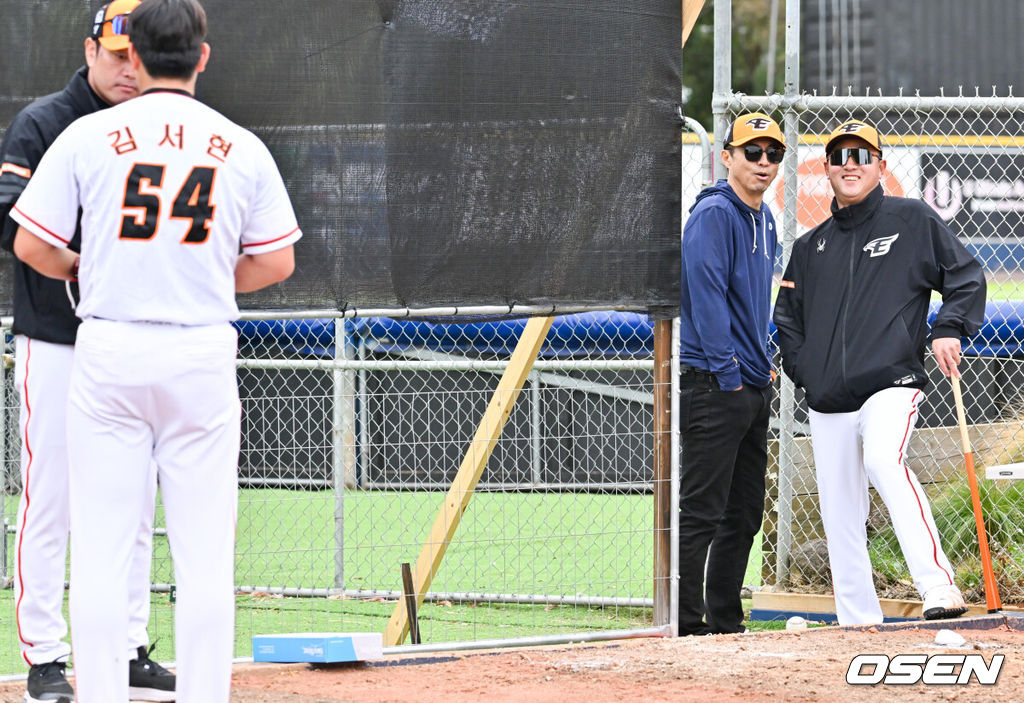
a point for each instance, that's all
(991, 589)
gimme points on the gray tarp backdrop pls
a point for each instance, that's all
(473, 152)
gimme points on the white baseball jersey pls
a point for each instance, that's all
(166, 179)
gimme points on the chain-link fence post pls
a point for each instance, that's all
(362, 447)
(343, 428)
(536, 430)
(722, 80)
(345, 407)
(662, 457)
(787, 392)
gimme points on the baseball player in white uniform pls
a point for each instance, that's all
(45, 327)
(852, 315)
(171, 192)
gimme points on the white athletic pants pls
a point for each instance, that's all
(143, 394)
(851, 449)
(42, 372)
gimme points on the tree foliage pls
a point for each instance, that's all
(750, 44)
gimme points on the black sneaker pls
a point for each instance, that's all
(47, 684)
(147, 680)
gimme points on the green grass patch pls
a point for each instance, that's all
(524, 543)
(1002, 505)
(511, 543)
(1007, 288)
(1003, 511)
(593, 544)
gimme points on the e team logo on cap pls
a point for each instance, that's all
(858, 129)
(753, 125)
(852, 127)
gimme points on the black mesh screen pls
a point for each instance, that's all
(438, 151)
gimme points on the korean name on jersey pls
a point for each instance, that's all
(159, 178)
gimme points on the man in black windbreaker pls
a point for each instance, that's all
(45, 327)
(852, 318)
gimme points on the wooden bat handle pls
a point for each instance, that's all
(960, 416)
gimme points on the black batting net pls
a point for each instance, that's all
(437, 152)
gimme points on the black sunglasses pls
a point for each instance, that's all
(861, 156)
(753, 152)
(118, 26)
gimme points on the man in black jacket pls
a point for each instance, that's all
(852, 318)
(45, 327)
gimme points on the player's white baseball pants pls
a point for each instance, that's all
(849, 450)
(42, 373)
(168, 393)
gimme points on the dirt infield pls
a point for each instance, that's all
(755, 667)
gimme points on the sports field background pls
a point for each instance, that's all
(285, 539)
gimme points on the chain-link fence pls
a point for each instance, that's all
(963, 156)
(354, 429)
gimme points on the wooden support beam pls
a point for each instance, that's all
(691, 8)
(479, 451)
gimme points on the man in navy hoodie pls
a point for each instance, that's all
(728, 256)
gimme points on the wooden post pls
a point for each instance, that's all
(410, 603)
(662, 471)
(480, 448)
(691, 8)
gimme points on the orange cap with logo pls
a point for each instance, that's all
(855, 128)
(110, 25)
(751, 126)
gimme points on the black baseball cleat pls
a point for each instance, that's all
(48, 684)
(148, 681)
(943, 602)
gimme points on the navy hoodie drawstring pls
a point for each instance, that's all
(764, 233)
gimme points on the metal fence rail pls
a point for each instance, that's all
(350, 439)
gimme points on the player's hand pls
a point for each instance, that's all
(947, 354)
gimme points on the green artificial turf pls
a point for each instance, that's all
(586, 545)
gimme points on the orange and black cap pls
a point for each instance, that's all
(751, 126)
(110, 24)
(858, 129)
